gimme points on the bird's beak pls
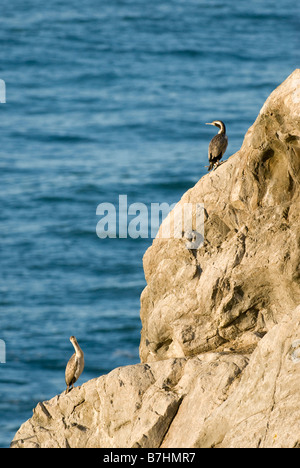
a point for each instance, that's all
(209, 123)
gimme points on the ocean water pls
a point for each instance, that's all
(108, 98)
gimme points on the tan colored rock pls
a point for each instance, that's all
(245, 278)
(133, 406)
(216, 400)
(220, 345)
(207, 381)
(264, 409)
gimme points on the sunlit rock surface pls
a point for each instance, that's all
(220, 345)
(245, 278)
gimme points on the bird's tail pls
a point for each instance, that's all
(210, 167)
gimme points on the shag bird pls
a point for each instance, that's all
(75, 365)
(218, 145)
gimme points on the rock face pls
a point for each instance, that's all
(133, 406)
(220, 345)
(245, 278)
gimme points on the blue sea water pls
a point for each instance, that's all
(106, 98)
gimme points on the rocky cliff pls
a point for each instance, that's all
(220, 345)
(245, 278)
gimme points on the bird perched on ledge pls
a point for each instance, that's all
(218, 145)
(75, 365)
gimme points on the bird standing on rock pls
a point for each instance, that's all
(75, 365)
(218, 145)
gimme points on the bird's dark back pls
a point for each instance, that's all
(217, 146)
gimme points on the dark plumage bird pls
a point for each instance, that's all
(218, 144)
(75, 365)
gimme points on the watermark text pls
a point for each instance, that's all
(160, 220)
(2, 92)
(2, 352)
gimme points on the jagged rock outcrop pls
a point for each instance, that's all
(245, 278)
(220, 345)
(132, 406)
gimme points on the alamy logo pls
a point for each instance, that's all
(177, 221)
(2, 92)
(2, 352)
